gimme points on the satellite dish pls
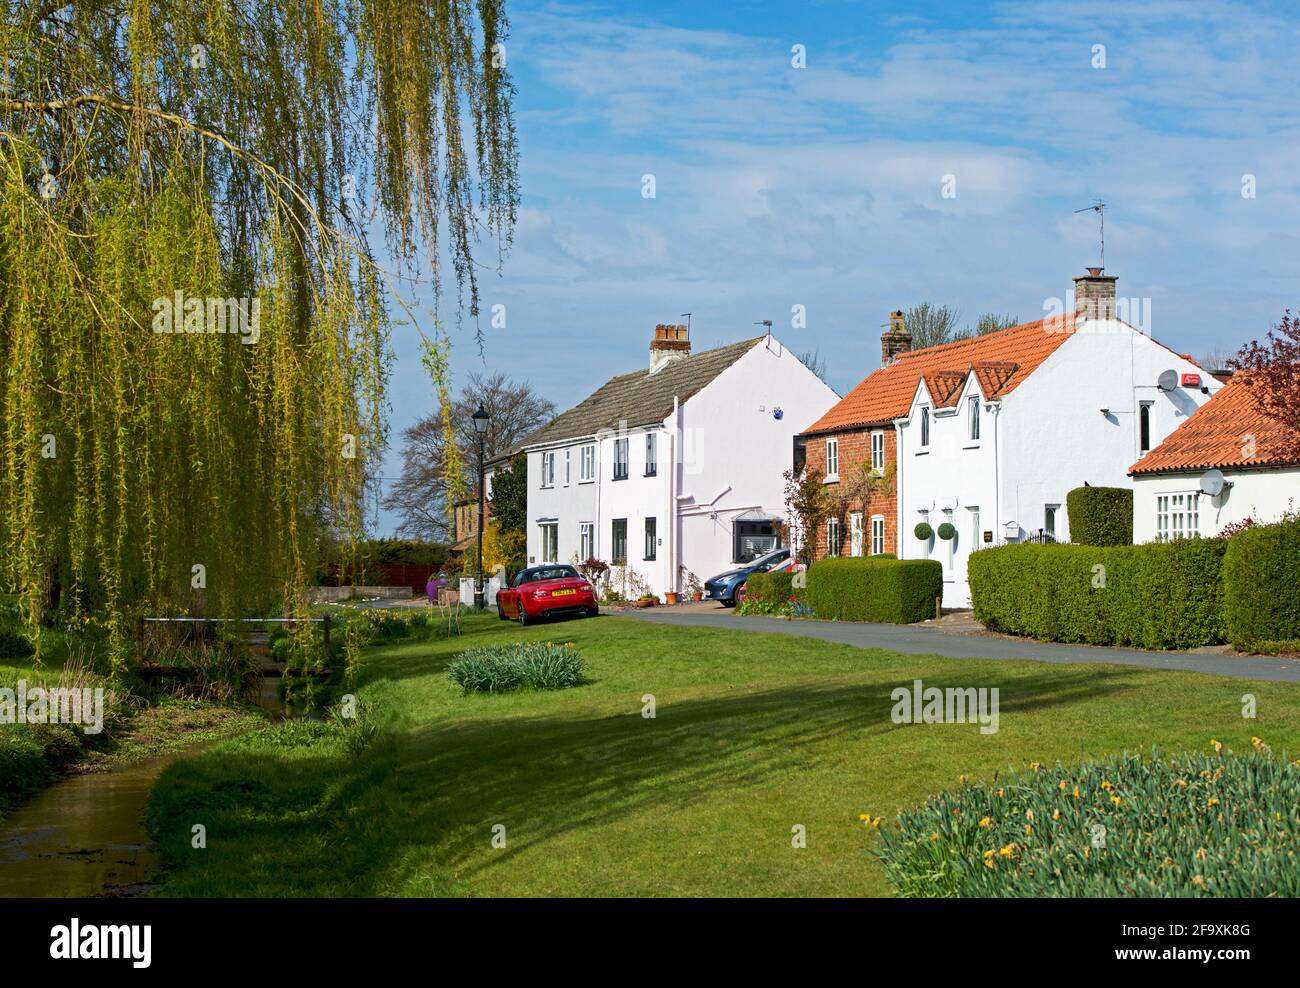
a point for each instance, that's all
(1168, 380)
(1213, 483)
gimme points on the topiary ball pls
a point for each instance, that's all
(947, 532)
(923, 531)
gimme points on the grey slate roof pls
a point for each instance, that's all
(641, 398)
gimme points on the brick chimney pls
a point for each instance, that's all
(1094, 295)
(671, 342)
(895, 340)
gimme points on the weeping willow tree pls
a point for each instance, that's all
(194, 326)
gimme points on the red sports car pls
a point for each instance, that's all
(545, 591)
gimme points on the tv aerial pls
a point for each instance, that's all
(1099, 208)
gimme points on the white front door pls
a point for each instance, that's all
(855, 533)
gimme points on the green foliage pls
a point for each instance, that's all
(772, 594)
(808, 500)
(1190, 825)
(1261, 588)
(947, 531)
(875, 588)
(923, 531)
(15, 646)
(510, 496)
(517, 666)
(1100, 515)
(1160, 595)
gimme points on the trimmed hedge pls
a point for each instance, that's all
(1160, 595)
(875, 588)
(1100, 515)
(1261, 584)
(776, 588)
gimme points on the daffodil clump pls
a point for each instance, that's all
(517, 666)
(1210, 823)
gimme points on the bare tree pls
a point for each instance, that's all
(814, 361)
(991, 322)
(419, 495)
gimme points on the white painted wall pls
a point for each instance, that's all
(730, 452)
(1264, 495)
(1048, 437)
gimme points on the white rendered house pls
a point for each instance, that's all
(674, 469)
(1000, 428)
(1257, 472)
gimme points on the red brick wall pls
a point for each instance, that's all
(854, 451)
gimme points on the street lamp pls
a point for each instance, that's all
(481, 419)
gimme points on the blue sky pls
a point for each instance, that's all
(822, 186)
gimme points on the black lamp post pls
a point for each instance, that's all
(481, 419)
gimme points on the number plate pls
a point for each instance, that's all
(561, 593)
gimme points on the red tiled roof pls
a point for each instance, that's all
(1001, 361)
(1221, 434)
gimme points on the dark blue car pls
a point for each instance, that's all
(729, 588)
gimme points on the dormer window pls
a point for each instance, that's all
(925, 426)
(974, 403)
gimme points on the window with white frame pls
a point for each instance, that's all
(832, 458)
(877, 535)
(550, 541)
(1178, 516)
(651, 538)
(878, 451)
(925, 426)
(620, 459)
(567, 470)
(651, 454)
(548, 469)
(587, 541)
(833, 537)
(587, 462)
(974, 528)
(974, 406)
(1050, 511)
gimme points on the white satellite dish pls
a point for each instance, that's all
(1168, 380)
(1213, 483)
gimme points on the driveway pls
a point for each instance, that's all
(923, 639)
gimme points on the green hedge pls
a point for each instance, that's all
(775, 588)
(1161, 595)
(1100, 515)
(875, 588)
(1261, 584)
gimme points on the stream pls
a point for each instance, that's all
(85, 835)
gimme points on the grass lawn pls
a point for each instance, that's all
(754, 733)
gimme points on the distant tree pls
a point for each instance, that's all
(991, 322)
(1216, 358)
(814, 361)
(932, 325)
(1273, 376)
(423, 493)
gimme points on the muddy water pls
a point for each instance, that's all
(83, 836)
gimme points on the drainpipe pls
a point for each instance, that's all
(996, 409)
(674, 566)
(900, 526)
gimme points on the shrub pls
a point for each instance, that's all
(1161, 595)
(771, 593)
(875, 588)
(1261, 588)
(947, 531)
(1100, 515)
(516, 666)
(923, 531)
(15, 646)
(1191, 825)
